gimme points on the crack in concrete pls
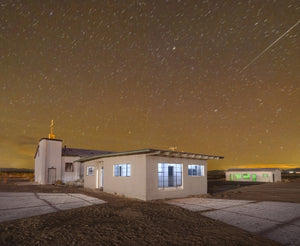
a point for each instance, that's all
(70, 194)
(281, 229)
(280, 225)
(49, 204)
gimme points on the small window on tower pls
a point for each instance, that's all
(69, 167)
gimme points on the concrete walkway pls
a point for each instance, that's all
(279, 221)
(17, 205)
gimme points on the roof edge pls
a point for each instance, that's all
(131, 152)
(52, 139)
(151, 151)
(59, 140)
(252, 169)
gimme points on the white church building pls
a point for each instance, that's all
(145, 174)
(56, 163)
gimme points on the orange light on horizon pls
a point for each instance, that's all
(281, 166)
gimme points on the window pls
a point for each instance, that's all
(238, 176)
(122, 170)
(265, 175)
(169, 175)
(246, 176)
(90, 170)
(69, 167)
(196, 170)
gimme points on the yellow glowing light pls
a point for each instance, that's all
(51, 135)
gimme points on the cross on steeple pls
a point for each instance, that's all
(51, 135)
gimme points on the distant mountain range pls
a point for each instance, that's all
(16, 170)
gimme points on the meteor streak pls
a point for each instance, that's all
(261, 53)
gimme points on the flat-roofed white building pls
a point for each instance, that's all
(148, 174)
(254, 174)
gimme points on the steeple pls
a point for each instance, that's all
(51, 135)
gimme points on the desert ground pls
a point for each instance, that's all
(123, 221)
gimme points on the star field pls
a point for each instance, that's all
(123, 75)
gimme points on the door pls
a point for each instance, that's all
(170, 176)
(254, 177)
(101, 175)
(51, 175)
(231, 177)
(97, 179)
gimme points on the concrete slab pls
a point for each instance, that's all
(203, 204)
(278, 221)
(282, 212)
(17, 205)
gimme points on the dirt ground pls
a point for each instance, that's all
(124, 221)
(286, 191)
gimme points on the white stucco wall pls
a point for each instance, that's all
(39, 163)
(70, 176)
(191, 185)
(277, 176)
(143, 182)
(133, 186)
(48, 156)
(260, 176)
(90, 181)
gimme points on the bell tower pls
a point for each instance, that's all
(47, 167)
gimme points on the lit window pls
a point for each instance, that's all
(169, 175)
(196, 170)
(69, 167)
(90, 170)
(122, 170)
(265, 175)
(246, 176)
(238, 176)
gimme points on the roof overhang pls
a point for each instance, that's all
(177, 154)
(252, 169)
(156, 152)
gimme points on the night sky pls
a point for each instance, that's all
(212, 77)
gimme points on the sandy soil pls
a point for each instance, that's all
(124, 221)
